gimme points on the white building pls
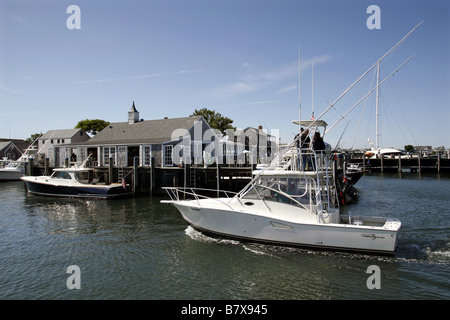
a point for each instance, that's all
(48, 144)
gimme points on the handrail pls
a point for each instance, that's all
(174, 191)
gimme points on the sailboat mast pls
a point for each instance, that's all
(312, 94)
(299, 95)
(377, 142)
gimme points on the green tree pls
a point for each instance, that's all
(33, 137)
(215, 119)
(409, 148)
(92, 126)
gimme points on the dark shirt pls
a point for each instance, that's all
(318, 144)
(305, 140)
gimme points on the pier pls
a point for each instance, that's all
(415, 163)
(151, 180)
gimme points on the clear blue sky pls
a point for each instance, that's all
(238, 57)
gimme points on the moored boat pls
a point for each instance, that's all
(12, 171)
(75, 182)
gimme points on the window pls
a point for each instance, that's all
(168, 155)
(109, 152)
(146, 157)
(62, 175)
(122, 156)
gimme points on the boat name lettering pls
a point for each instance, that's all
(371, 235)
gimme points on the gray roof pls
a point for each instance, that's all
(4, 144)
(60, 134)
(149, 131)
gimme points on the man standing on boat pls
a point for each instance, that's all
(319, 147)
(302, 143)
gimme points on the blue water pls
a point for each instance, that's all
(140, 249)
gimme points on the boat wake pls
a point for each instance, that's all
(255, 248)
(198, 236)
(417, 253)
(439, 255)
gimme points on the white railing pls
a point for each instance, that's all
(176, 193)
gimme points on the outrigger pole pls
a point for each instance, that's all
(354, 83)
(365, 73)
(378, 85)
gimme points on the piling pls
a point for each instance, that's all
(135, 173)
(110, 171)
(439, 162)
(46, 166)
(418, 160)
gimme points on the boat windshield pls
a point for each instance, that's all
(280, 189)
(61, 175)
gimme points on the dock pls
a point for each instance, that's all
(418, 164)
(151, 180)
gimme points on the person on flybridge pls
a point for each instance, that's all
(303, 143)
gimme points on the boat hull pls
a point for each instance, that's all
(269, 229)
(10, 175)
(75, 191)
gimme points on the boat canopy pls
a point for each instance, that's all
(311, 123)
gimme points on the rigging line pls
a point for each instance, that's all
(363, 110)
(365, 73)
(401, 110)
(356, 104)
(392, 115)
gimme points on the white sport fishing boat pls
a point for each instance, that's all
(290, 207)
(13, 170)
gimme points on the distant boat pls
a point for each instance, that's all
(377, 152)
(13, 170)
(75, 182)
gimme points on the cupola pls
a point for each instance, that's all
(133, 115)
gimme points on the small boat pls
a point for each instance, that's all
(13, 170)
(75, 182)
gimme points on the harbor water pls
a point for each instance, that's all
(139, 248)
